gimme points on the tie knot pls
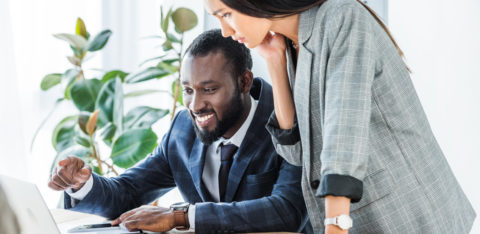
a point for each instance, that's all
(227, 151)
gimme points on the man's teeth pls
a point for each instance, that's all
(205, 118)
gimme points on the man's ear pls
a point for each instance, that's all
(245, 81)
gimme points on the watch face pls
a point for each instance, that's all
(344, 222)
(180, 205)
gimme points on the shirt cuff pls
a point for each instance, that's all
(282, 136)
(82, 192)
(191, 216)
(341, 185)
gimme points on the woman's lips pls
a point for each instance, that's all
(203, 121)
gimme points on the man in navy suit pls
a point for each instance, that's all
(217, 153)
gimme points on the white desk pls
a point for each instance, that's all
(67, 219)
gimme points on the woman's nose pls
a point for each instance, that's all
(227, 31)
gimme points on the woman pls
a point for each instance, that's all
(346, 110)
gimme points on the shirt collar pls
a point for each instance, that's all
(237, 138)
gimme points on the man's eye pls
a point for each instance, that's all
(187, 91)
(209, 90)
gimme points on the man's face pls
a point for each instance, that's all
(211, 94)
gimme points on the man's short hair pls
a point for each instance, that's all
(237, 55)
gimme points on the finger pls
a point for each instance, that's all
(53, 186)
(59, 185)
(131, 225)
(64, 162)
(115, 222)
(64, 177)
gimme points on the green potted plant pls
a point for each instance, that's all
(100, 118)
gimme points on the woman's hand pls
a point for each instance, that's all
(272, 47)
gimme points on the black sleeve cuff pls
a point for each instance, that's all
(341, 185)
(282, 136)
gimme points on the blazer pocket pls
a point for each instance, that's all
(375, 186)
(265, 177)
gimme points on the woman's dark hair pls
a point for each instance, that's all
(284, 8)
(237, 55)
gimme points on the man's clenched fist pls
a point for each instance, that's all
(71, 172)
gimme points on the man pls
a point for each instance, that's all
(218, 153)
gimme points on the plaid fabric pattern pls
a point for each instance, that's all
(359, 115)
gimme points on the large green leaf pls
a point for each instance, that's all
(50, 80)
(147, 74)
(77, 41)
(64, 133)
(75, 150)
(68, 79)
(113, 74)
(110, 103)
(184, 19)
(84, 94)
(99, 41)
(107, 133)
(143, 117)
(132, 146)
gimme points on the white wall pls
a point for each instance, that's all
(441, 41)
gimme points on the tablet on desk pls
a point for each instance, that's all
(99, 227)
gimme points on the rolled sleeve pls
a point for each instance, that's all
(282, 136)
(341, 185)
(286, 142)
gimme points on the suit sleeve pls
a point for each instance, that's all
(348, 98)
(139, 185)
(283, 210)
(286, 141)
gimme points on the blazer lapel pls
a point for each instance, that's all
(196, 163)
(254, 139)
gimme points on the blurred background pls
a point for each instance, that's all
(440, 40)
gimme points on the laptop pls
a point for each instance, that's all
(32, 213)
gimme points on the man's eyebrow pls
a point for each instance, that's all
(202, 83)
(217, 11)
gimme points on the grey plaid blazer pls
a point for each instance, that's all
(358, 115)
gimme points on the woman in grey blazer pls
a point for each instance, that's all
(347, 112)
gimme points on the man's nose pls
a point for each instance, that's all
(196, 104)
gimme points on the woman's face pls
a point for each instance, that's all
(243, 28)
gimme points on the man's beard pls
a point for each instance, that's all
(230, 118)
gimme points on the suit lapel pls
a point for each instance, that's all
(253, 140)
(302, 97)
(196, 163)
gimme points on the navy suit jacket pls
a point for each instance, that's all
(263, 191)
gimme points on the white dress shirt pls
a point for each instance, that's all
(210, 169)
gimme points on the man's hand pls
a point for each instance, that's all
(71, 172)
(148, 218)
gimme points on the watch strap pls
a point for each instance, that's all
(181, 220)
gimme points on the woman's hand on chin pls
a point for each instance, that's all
(272, 47)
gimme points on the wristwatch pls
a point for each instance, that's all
(343, 221)
(180, 210)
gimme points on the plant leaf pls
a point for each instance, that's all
(184, 19)
(143, 117)
(146, 74)
(77, 41)
(50, 80)
(107, 132)
(74, 60)
(113, 74)
(143, 92)
(99, 41)
(110, 102)
(152, 59)
(80, 29)
(84, 94)
(83, 117)
(68, 79)
(165, 21)
(180, 93)
(132, 146)
(92, 123)
(63, 133)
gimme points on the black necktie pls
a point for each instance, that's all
(227, 152)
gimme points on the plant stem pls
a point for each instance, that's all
(111, 167)
(177, 81)
(95, 155)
